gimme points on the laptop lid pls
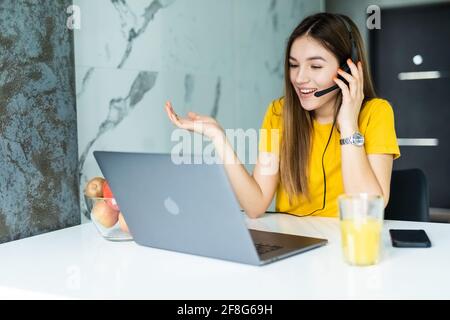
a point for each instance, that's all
(188, 208)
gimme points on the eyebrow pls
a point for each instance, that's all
(311, 58)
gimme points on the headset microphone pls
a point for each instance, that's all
(323, 92)
(344, 67)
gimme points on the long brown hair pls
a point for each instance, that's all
(329, 30)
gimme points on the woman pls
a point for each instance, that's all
(341, 142)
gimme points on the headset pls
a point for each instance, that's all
(346, 68)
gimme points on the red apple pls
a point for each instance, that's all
(109, 197)
(104, 214)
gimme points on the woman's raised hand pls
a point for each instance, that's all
(194, 122)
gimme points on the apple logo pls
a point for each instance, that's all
(171, 206)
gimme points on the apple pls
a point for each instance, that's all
(94, 188)
(104, 214)
(123, 225)
(109, 197)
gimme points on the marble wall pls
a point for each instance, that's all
(222, 58)
(38, 130)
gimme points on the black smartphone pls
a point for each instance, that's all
(344, 67)
(409, 238)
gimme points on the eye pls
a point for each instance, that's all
(292, 65)
(316, 67)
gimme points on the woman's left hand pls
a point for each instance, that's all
(352, 97)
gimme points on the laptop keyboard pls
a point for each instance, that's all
(262, 248)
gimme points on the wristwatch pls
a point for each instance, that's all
(356, 139)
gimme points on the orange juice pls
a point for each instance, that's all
(361, 240)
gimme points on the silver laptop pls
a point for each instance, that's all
(190, 208)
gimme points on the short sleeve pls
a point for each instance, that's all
(380, 135)
(270, 132)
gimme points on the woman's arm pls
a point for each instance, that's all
(361, 174)
(365, 174)
(254, 193)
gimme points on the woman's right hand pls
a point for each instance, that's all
(204, 125)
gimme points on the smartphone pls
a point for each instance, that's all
(409, 238)
(346, 69)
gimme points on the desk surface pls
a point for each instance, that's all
(78, 263)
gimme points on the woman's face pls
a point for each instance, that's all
(312, 68)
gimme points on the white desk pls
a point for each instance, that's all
(78, 263)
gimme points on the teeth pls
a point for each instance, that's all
(306, 91)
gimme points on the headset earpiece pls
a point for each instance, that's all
(344, 66)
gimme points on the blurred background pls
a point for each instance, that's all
(107, 81)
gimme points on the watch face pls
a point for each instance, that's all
(358, 139)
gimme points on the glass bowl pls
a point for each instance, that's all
(107, 218)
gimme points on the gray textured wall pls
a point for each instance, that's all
(38, 137)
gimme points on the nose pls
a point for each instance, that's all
(301, 76)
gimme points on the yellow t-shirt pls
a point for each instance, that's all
(376, 123)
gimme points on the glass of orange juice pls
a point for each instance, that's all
(361, 219)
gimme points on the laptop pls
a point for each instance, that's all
(190, 208)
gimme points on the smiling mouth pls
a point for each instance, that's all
(307, 91)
